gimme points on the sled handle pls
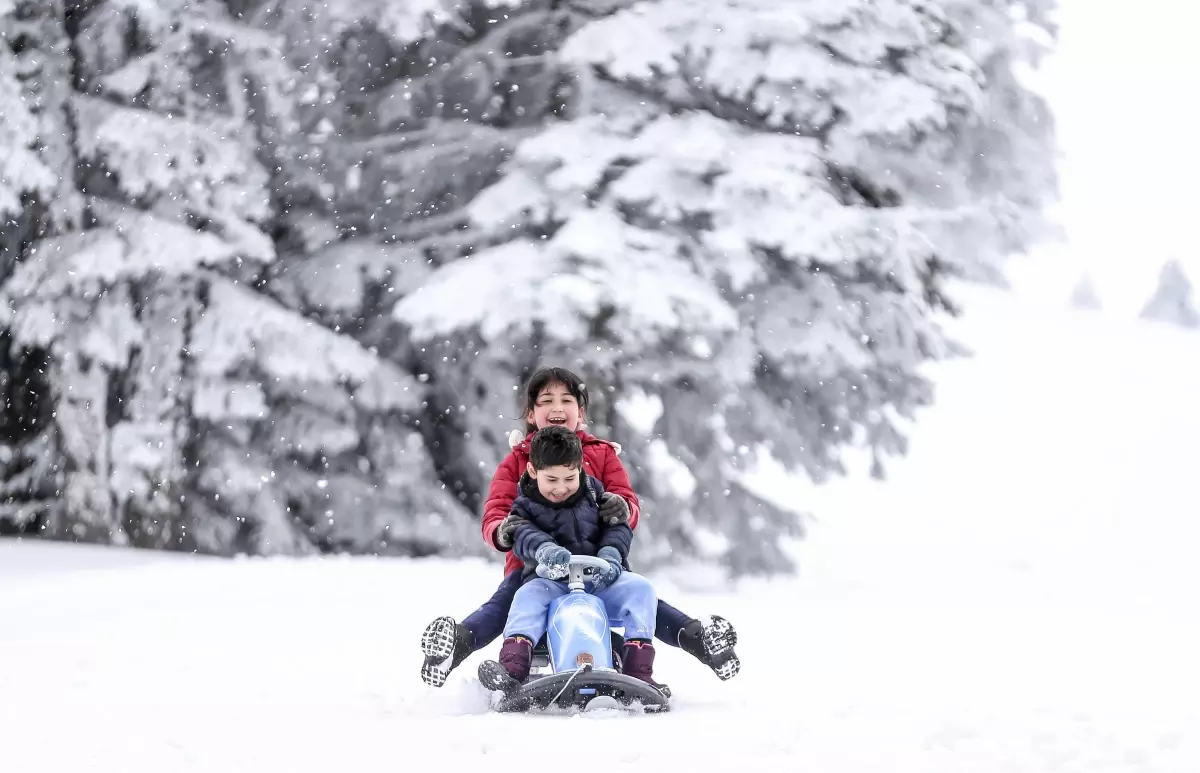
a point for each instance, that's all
(577, 565)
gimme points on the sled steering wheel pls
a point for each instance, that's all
(579, 570)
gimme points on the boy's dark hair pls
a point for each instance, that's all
(544, 377)
(553, 446)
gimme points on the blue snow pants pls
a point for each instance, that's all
(630, 602)
(487, 622)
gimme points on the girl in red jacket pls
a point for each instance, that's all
(558, 397)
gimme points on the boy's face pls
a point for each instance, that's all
(557, 483)
(555, 406)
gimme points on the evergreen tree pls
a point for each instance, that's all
(192, 409)
(747, 215)
(1172, 301)
(35, 198)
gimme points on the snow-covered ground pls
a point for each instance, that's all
(1020, 596)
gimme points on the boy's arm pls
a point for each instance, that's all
(616, 480)
(527, 538)
(501, 495)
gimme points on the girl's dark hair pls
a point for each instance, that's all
(544, 377)
(553, 446)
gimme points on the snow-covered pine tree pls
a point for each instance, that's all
(35, 198)
(169, 188)
(192, 410)
(1172, 301)
(745, 224)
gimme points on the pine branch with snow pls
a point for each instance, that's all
(22, 171)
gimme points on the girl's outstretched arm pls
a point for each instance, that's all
(501, 495)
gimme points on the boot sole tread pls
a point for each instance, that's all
(437, 644)
(719, 638)
(493, 677)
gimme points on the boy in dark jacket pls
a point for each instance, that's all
(559, 516)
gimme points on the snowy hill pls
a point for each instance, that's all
(1019, 596)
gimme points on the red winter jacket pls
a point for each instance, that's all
(599, 460)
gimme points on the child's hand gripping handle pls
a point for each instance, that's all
(612, 569)
(553, 560)
(580, 568)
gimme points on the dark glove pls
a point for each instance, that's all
(609, 575)
(614, 510)
(556, 559)
(507, 530)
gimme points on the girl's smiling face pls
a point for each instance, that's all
(555, 407)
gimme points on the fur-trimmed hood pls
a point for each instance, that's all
(517, 437)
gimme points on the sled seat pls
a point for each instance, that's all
(541, 652)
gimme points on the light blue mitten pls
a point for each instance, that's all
(555, 558)
(609, 575)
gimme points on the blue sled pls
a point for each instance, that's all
(574, 666)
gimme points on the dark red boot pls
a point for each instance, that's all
(516, 657)
(638, 661)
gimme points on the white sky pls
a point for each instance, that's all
(1125, 88)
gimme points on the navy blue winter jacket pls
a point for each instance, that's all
(573, 524)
